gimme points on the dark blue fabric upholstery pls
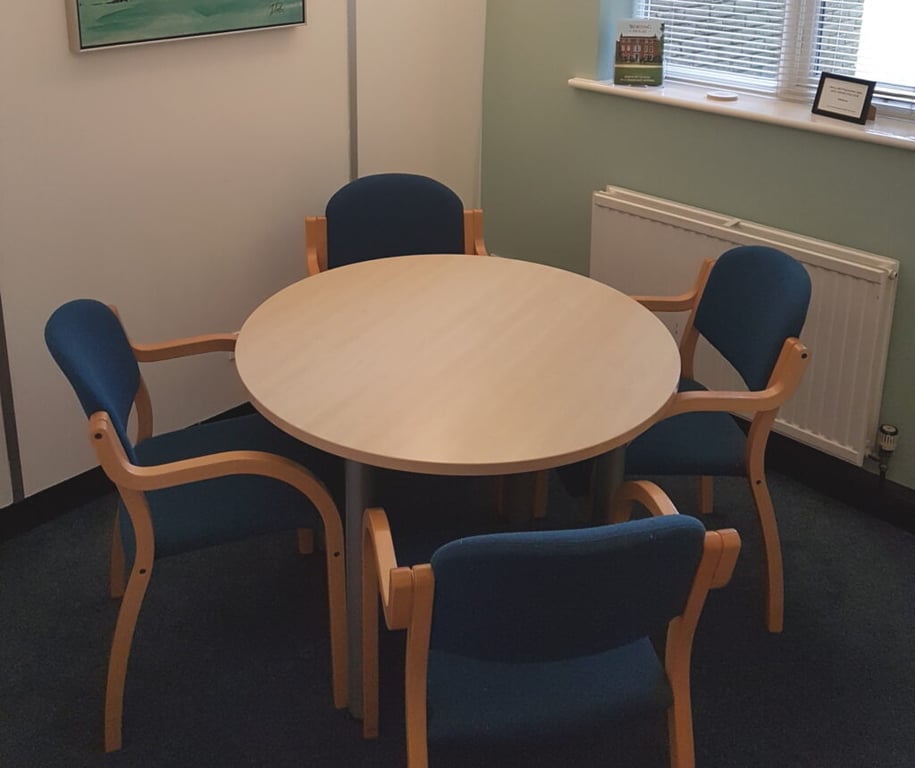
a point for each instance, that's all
(698, 443)
(755, 298)
(87, 341)
(690, 444)
(392, 214)
(535, 633)
(519, 596)
(89, 344)
(470, 701)
(197, 515)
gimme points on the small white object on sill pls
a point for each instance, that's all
(721, 96)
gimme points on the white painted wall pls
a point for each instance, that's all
(171, 180)
(420, 82)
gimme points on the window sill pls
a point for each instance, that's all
(889, 131)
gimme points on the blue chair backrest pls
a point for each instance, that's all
(88, 342)
(392, 214)
(755, 298)
(547, 595)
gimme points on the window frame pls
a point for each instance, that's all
(797, 76)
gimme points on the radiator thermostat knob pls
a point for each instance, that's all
(887, 437)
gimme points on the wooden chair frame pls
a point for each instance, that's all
(762, 404)
(407, 598)
(316, 239)
(133, 481)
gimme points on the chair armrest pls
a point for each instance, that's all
(646, 493)
(729, 549)
(192, 345)
(395, 584)
(786, 376)
(722, 400)
(681, 303)
(719, 555)
(479, 245)
(473, 232)
(125, 474)
(315, 244)
(380, 574)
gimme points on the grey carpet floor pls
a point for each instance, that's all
(230, 661)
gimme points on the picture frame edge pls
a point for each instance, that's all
(76, 44)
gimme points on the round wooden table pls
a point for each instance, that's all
(453, 365)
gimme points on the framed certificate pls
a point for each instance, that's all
(844, 98)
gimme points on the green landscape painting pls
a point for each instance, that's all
(103, 23)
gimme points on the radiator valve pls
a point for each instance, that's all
(887, 435)
(886, 438)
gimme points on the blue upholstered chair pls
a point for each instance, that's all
(525, 636)
(391, 214)
(191, 488)
(750, 304)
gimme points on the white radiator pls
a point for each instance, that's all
(647, 245)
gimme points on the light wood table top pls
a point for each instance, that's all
(453, 365)
(457, 364)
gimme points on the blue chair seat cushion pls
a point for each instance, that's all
(699, 443)
(489, 702)
(195, 515)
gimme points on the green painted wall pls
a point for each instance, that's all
(547, 147)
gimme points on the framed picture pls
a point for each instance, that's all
(97, 24)
(844, 98)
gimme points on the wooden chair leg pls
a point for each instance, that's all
(706, 495)
(416, 666)
(680, 733)
(306, 540)
(117, 566)
(120, 651)
(369, 644)
(774, 574)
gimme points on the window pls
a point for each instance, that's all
(780, 47)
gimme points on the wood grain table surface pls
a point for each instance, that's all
(452, 365)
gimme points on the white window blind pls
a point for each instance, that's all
(780, 47)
